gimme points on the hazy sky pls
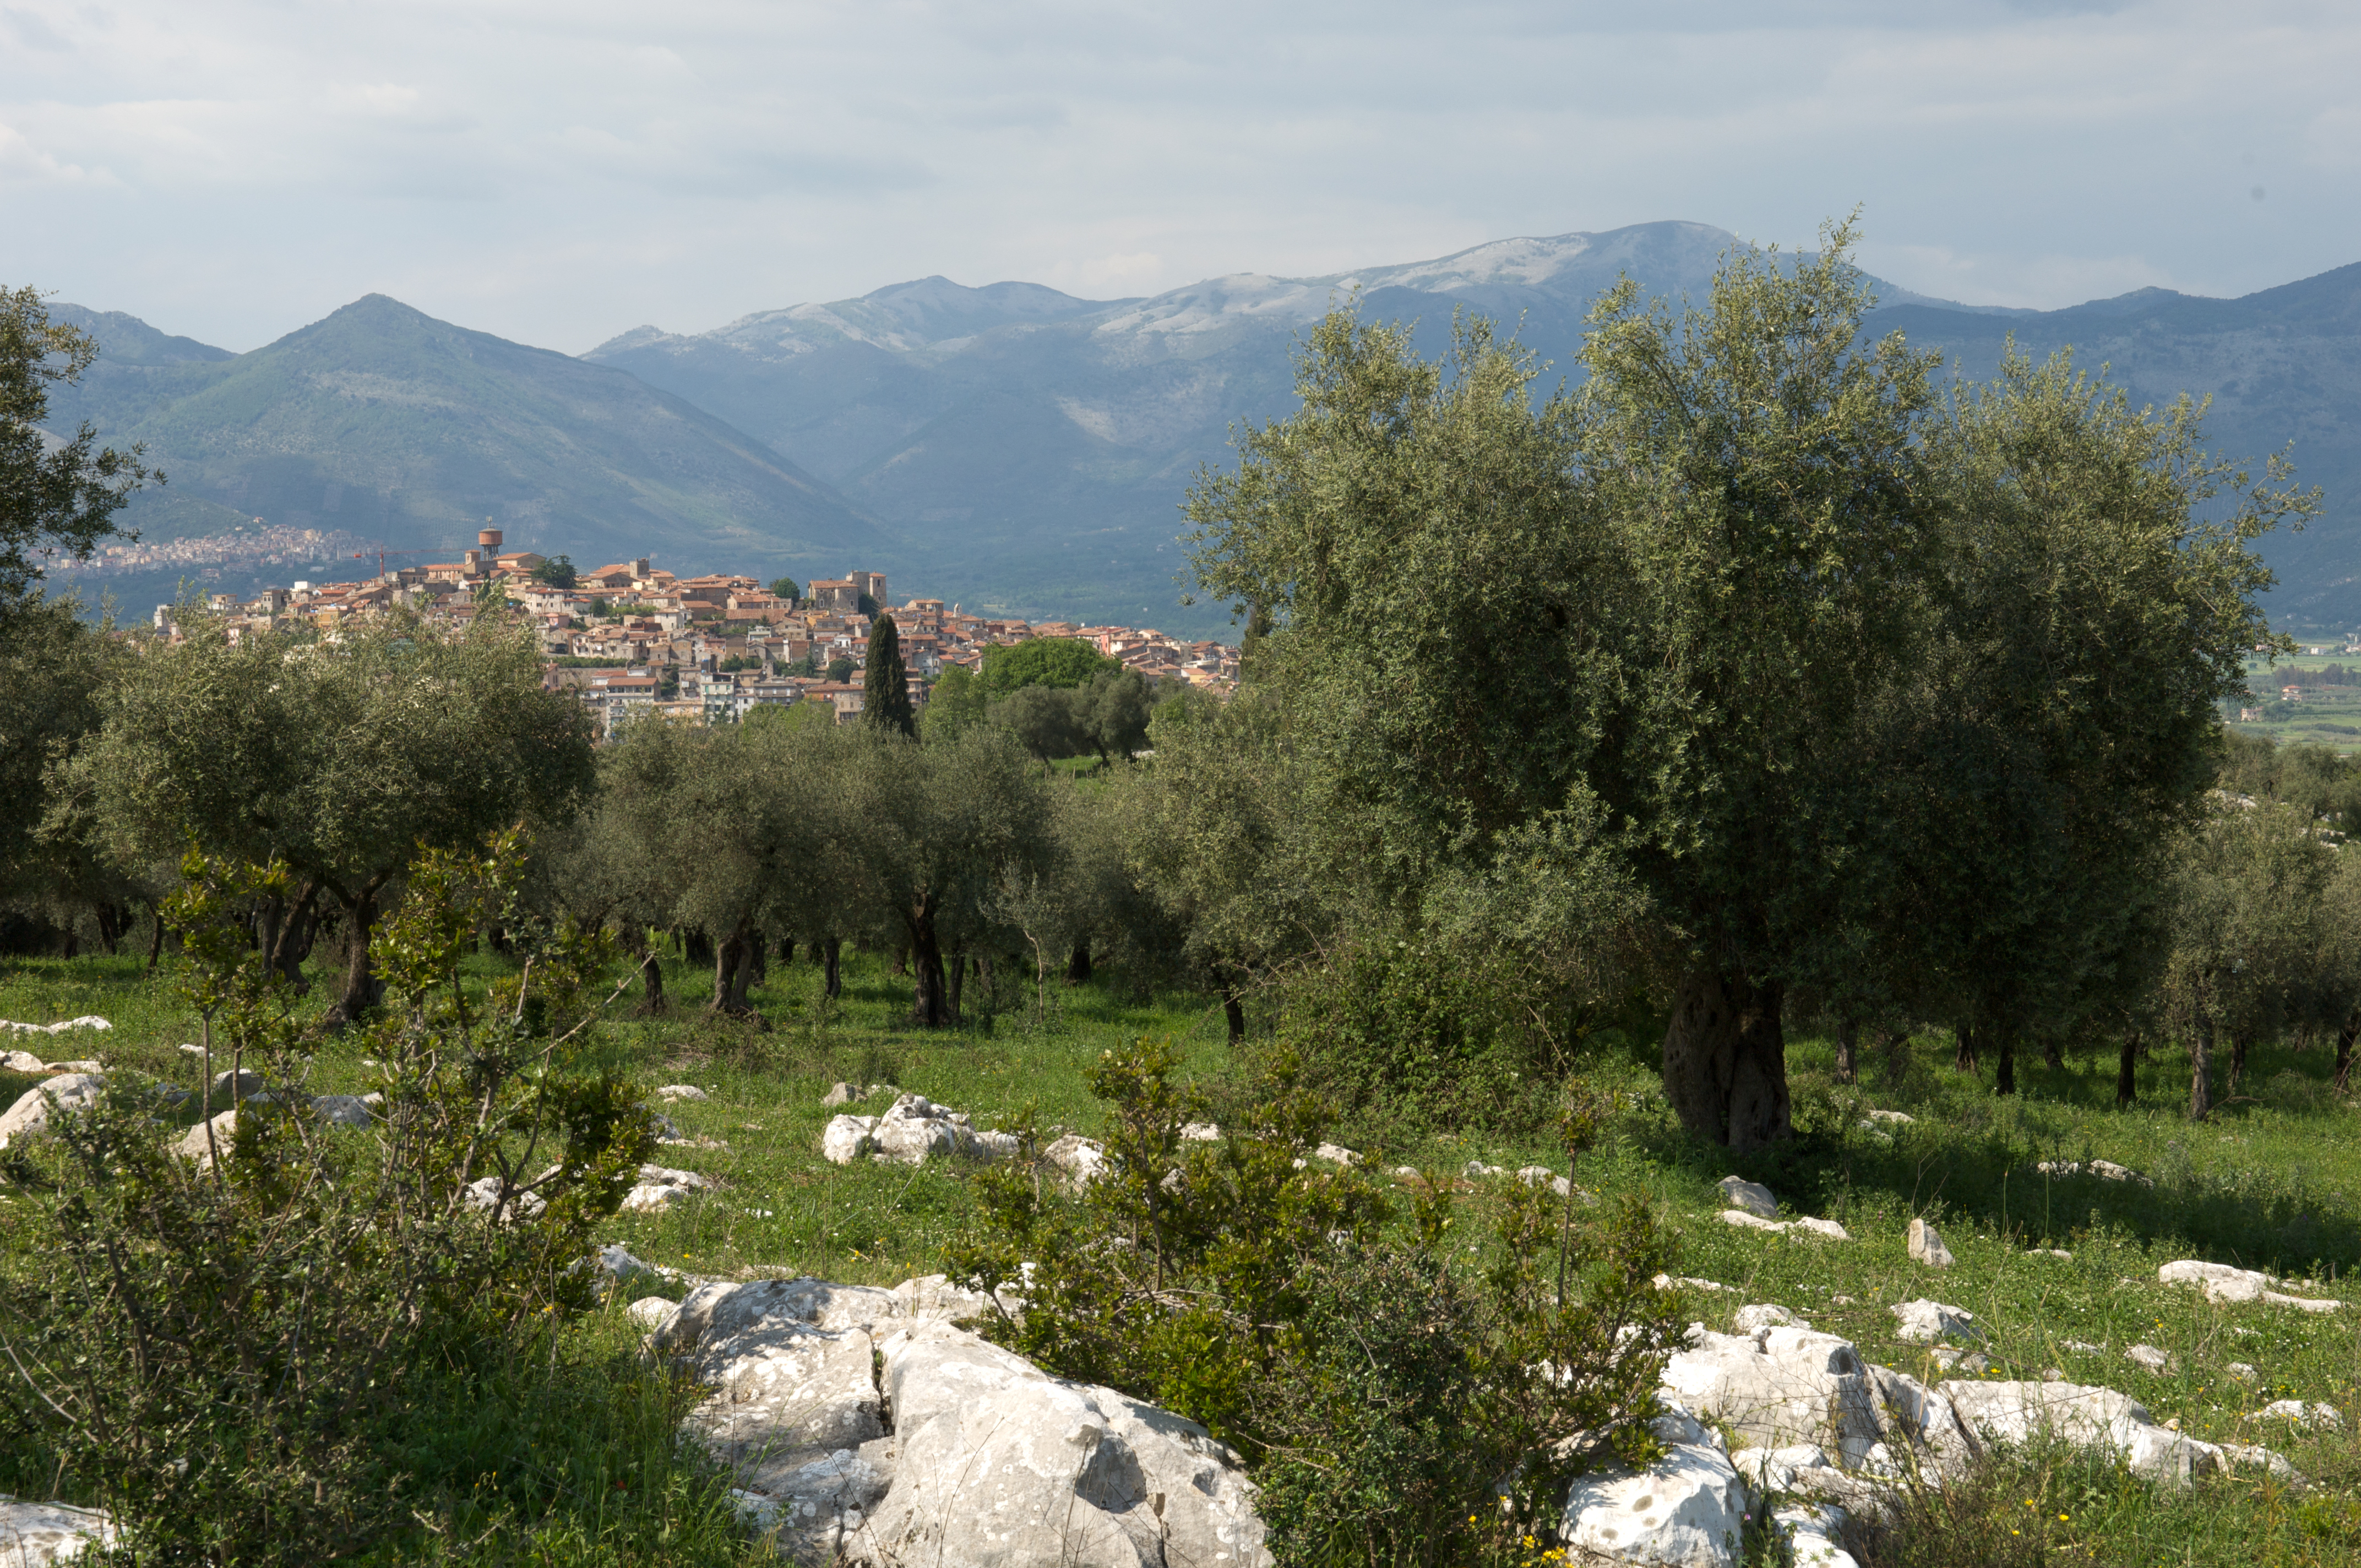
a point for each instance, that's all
(559, 170)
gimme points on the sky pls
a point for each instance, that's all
(559, 171)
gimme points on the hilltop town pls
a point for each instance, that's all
(632, 638)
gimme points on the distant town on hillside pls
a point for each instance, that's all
(632, 638)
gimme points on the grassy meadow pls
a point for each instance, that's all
(573, 1464)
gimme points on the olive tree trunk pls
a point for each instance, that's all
(930, 1002)
(2200, 1069)
(2126, 1064)
(2345, 1034)
(1078, 964)
(1726, 1062)
(1848, 1037)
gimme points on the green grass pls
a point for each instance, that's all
(2272, 1181)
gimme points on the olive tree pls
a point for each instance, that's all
(342, 759)
(1667, 648)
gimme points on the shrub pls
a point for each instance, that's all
(1421, 1036)
(1387, 1392)
(215, 1348)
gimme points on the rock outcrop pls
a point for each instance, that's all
(2222, 1283)
(33, 1535)
(866, 1424)
(30, 1116)
(913, 1129)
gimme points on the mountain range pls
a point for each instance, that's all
(1020, 449)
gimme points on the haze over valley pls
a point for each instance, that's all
(1012, 447)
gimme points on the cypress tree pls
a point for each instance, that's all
(885, 684)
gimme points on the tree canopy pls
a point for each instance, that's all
(1711, 639)
(1041, 662)
(56, 497)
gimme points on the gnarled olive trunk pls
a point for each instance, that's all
(2345, 1035)
(2127, 1082)
(1848, 1037)
(955, 977)
(2239, 1040)
(831, 953)
(930, 1002)
(1726, 1062)
(1078, 964)
(2005, 1080)
(1964, 1059)
(733, 971)
(651, 991)
(2201, 1070)
(363, 989)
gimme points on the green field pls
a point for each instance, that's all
(2273, 1181)
(2328, 716)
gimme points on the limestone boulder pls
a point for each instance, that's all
(1751, 1196)
(1935, 1323)
(342, 1109)
(2318, 1415)
(847, 1138)
(200, 1142)
(22, 1061)
(2222, 1283)
(35, 1110)
(1776, 1387)
(87, 1021)
(1926, 1247)
(2100, 1418)
(34, 1535)
(681, 1092)
(1000, 1464)
(1686, 1510)
(234, 1083)
(1083, 1160)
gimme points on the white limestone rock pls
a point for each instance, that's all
(1762, 1315)
(1893, 1118)
(2254, 1456)
(87, 1021)
(484, 1192)
(1200, 1133)
(1336, 1153)
(2092, 1418)
(196, 1144)
(236, 1084)
(2147, 1356)
(847, 1138)
(1000, 1464)
(1668, 1282)
(2221, 1282)
(649, 1311)
(1931, 1322)
(2105, 1170)
(342, 1109)
(1476, 1170)
(1812, 1529)
(22, 1061)
(1686, 1510)
(1777, 1387)
(681, 1092)
(843, 1094)
(35, 1109)
(1083, 1160)
(1926, 1247)
(34, 1535)
(1747, 1220)
(2319, 1416)
(1751, 1196)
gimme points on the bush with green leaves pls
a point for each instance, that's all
(1401, 1397)
(226, 1335)
(1413, 1036)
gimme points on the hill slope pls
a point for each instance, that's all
(387, 424)
(1031, 448)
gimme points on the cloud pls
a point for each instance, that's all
(556, 171)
